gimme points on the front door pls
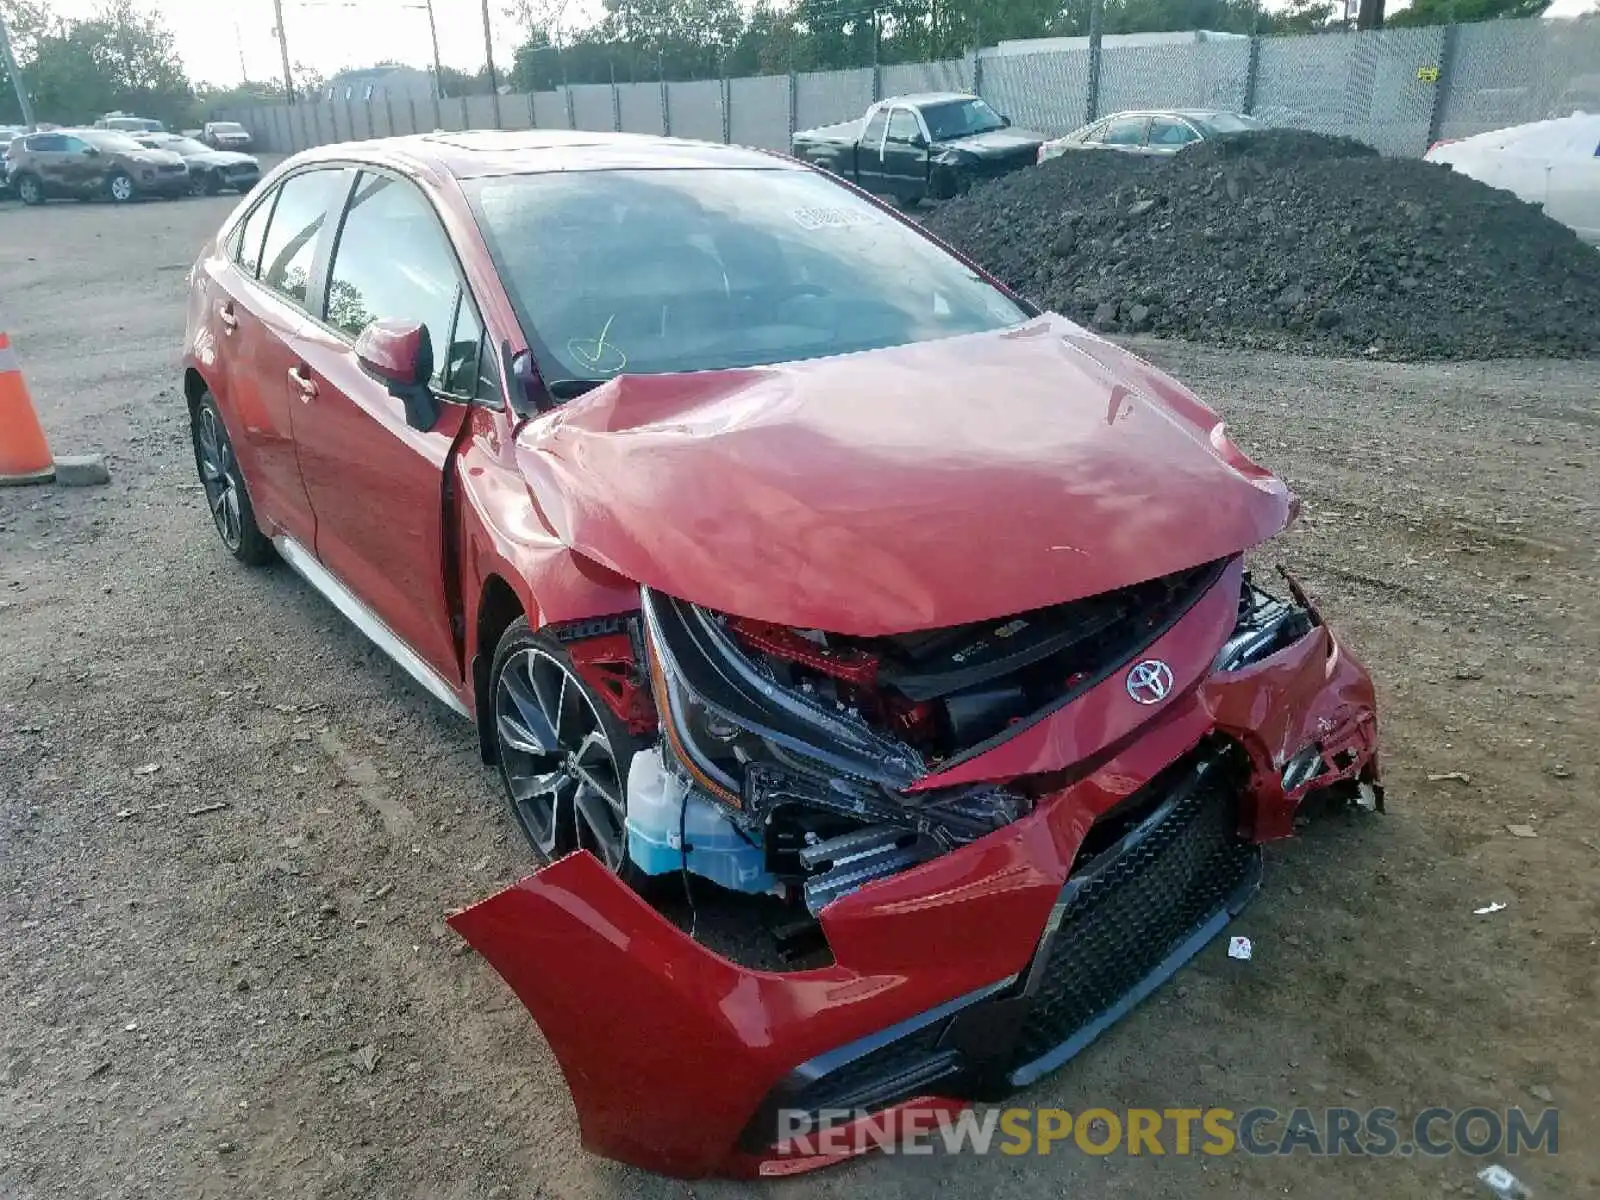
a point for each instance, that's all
(377, 485)
(905, 156)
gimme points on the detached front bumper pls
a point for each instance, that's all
(974, 973)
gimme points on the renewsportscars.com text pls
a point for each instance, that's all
(1261, 1131)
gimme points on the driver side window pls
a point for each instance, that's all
(903, 127)
(392, 259)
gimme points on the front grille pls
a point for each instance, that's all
(1130, 912)
(171, 168)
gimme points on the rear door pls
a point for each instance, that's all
(258, 317)
(377, 486)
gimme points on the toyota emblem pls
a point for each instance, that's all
(1150, 682)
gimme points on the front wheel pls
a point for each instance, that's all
(223, 482)
(120, 187)
(563, 754)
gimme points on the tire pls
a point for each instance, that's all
(557, 795)
(909, 203)
(211, 184)
(224, 486)
(119, 186)
(30, 189)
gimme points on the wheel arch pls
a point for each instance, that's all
(498, 606)
(194, 388)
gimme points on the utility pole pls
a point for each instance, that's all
(488, 59)
(283, 47)
(438, 67)
(9, 61)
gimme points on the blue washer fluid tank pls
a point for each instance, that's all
(718, 850)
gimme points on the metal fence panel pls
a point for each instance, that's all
(640, 104)
(514, 111)
(1363, 85)
(1208, 74)
(946, 75)
(696, 109)
(1046, 92)
(550, 110)
(591, 107)
(758, 112)
(360, 120)
(451, 113)
(825, 97)
(480, 111)
(1511, 72)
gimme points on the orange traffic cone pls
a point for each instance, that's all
(24, 454)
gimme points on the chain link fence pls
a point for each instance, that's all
(1397, 89)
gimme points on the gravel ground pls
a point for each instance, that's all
(229, 829)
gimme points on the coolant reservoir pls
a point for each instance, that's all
(661, 803)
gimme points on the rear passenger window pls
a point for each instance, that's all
(290, 245)
(1128, 132)
(393, 260)
(247, 243)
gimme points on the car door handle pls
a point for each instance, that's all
(307, 386)
(225, 314)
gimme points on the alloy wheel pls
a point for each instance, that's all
(121, 189)
(28, 190)
(564, 776)
(216, 462)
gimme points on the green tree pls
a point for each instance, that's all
(1444, 12)
(75, 70)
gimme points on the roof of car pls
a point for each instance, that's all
(917, 99)
(478, 154)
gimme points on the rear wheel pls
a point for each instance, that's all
(231, 510)
(30, 189)
(563, 754)
(120, 187)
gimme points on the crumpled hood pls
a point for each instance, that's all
(919, 486)
(997, 143)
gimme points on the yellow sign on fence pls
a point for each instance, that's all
(1428, 74)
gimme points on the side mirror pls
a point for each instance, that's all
(399, 355)
(1005, 121)
(92, 151)
(917, 140)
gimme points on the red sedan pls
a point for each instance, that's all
(784, 561)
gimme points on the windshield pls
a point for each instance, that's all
(115, 143)
(653, 271)
(1226, 123)
(187, 147)
(959, 119)
(227, 127)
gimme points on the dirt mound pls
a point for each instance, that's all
(1287, 240)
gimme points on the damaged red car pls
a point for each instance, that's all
(868, 657)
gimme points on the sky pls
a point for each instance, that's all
(213, 36)
(222, 41)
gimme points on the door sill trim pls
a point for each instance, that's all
(304, 564)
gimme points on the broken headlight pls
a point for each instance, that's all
(1266, 625)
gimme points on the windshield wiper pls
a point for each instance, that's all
(567, 389)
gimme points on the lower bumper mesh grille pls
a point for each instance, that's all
(1126, 915)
